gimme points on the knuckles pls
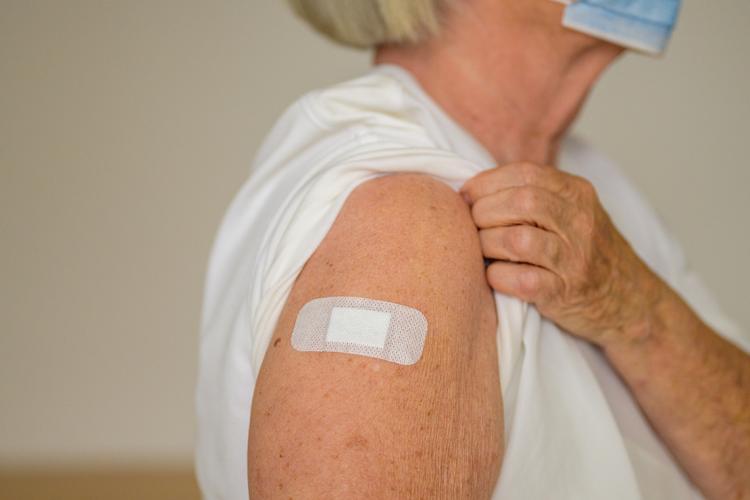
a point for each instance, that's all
(530, 172)
(520, 240)
(528, 283)
(526, 199)
(585, 187)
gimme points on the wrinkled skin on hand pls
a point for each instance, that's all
(556, 247)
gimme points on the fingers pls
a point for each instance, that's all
(522, 205)
(525, 281)
(522, 243)
(515, 175)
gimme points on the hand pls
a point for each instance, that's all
(557, 248)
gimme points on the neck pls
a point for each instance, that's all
(518, 99)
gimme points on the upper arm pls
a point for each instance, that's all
(332, 423)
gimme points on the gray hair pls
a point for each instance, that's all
(367, 23)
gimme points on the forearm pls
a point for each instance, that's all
(557, 247)
(694, 386)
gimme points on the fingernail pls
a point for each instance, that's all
(466, 198)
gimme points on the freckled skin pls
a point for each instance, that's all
(358, 427)
(554, 245)
(557, 248)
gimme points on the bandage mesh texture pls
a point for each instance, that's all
(404, 340)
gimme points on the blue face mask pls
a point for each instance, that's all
(642, 25)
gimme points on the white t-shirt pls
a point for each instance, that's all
(573, 431)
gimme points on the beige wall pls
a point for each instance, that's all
(125, 128)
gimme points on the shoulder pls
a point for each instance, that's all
(342, 101)
(407, 239)
(405, 229)
(329, 122)
(409, 199)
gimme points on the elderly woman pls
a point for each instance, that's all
(427, 289)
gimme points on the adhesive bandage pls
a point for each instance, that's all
(356, 325)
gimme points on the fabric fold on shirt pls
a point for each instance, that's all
(573, 430)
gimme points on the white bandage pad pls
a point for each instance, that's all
(357, 325)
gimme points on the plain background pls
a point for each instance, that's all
(127, 126)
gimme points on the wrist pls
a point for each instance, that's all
(642, 318)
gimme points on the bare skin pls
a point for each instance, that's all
(509, 73)
(339, 426)
(554, 243)
(557, 248)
